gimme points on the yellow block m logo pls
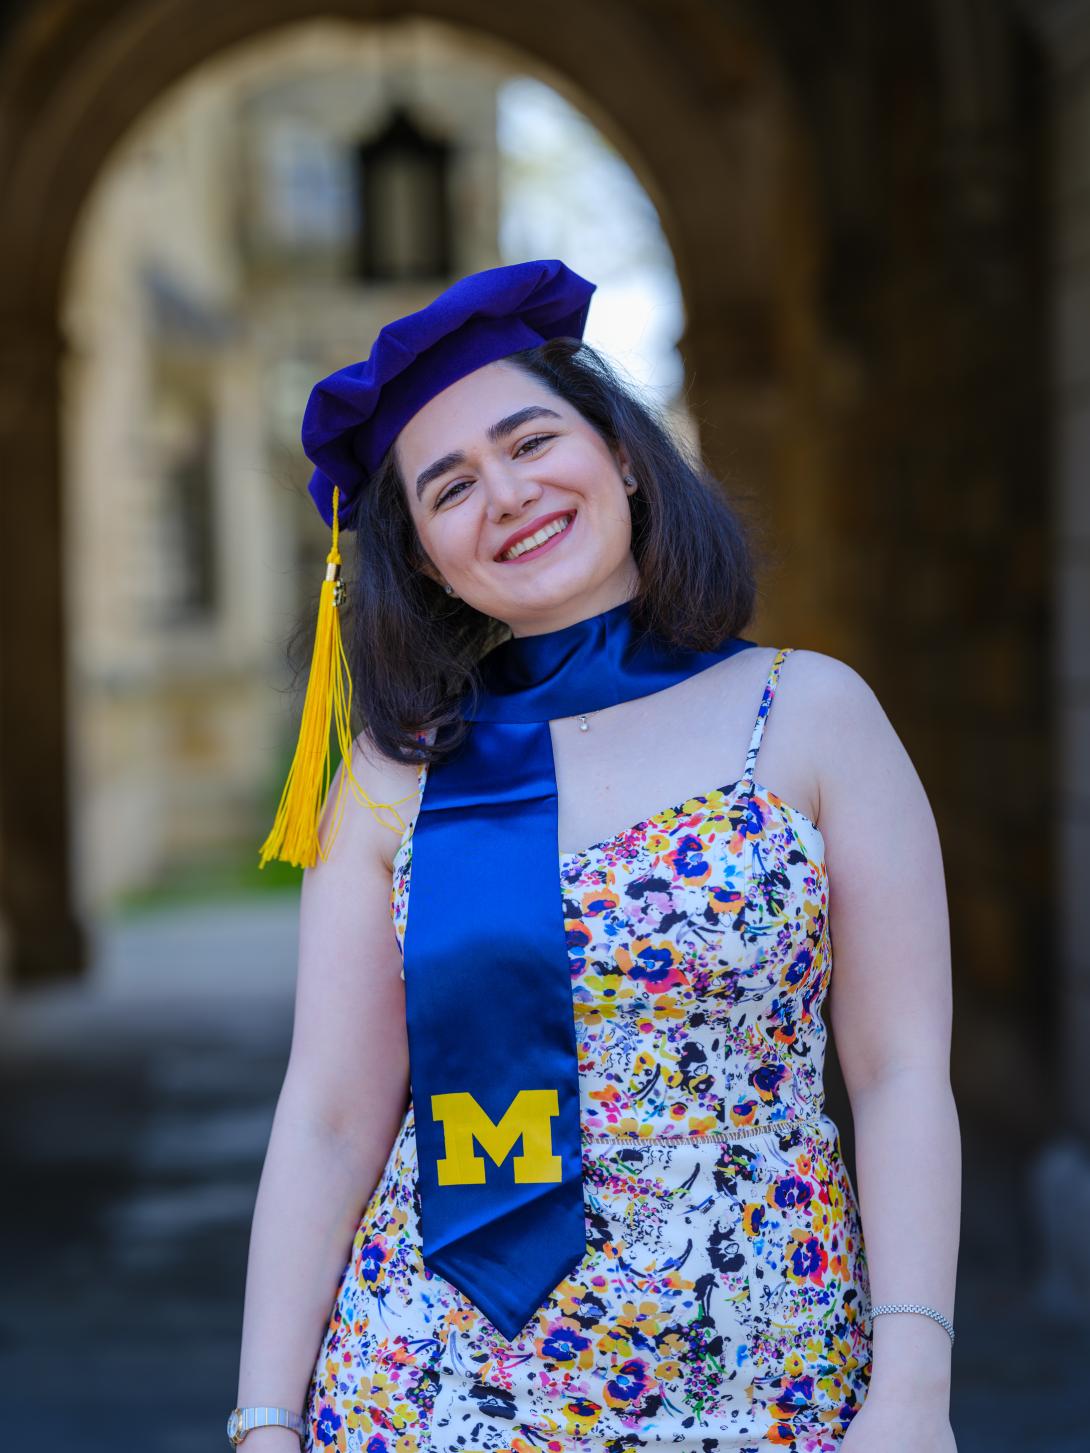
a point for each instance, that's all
(527, 1118)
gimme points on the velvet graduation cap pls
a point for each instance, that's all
(350, 421)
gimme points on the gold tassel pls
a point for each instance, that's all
(294, 836)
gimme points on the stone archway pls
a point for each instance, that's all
(691, 96)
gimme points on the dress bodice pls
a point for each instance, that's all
(723, 1298)
(700, 956)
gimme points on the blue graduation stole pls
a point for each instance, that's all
(492, 1050)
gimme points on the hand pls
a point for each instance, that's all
(892, 1424)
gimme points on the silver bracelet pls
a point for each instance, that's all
(944, 1322)
(245, 1420)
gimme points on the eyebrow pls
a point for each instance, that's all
(500, 430)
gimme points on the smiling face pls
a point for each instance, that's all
(497, 459)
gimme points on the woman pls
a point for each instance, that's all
(529, 533)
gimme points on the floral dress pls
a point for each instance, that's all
(722, 1301)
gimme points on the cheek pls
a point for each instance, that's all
(603, 493)
(450, 539)
(590, 473)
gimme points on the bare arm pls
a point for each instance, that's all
(891, 1015)
(339, 1108)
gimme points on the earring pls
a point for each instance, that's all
(630, 483)
(449, 589)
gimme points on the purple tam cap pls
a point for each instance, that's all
(353, 416)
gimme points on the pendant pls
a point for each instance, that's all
(584, 725)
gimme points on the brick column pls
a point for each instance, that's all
(1062, 1173)
(41, 938)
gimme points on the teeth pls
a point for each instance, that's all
(531, 542)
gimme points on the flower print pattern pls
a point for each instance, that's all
(722, 1302)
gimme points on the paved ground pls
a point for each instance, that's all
(134, 1113)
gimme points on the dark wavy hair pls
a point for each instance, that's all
(413, 650)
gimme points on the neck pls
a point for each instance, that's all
(597, 661)
(620, 587)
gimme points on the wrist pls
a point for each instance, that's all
(911, 1358)
(902, 1382)
(912, 1379)
(272, 1429)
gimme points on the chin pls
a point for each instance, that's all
(553, 592)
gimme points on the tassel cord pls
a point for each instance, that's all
(295, 837)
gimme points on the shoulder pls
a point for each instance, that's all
(829, 686)
(833, 701)
(365, 814)
(832, 723)
(814, 694)
(861, 767)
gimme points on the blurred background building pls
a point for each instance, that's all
(845, 246)
(248, 236)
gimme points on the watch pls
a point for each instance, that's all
(241, 1421)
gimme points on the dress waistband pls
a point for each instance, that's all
(714, 1137)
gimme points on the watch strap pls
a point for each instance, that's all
(244, 1420)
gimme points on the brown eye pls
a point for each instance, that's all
(454, 490)
(534, 442)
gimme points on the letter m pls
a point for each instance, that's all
(527, 1118)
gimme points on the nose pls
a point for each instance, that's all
(508, 492)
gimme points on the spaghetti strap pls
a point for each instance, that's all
(763, 710)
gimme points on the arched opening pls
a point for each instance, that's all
(725, 241)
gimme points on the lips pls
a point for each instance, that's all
(542, 522)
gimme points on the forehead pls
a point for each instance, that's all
(459, 416)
